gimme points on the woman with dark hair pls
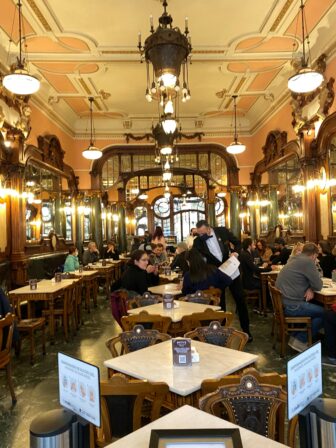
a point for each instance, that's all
(111, 251)
(326, 258)
(158, 237)
(263, 252)
(139, 275)
(202, 275)
(71, 262)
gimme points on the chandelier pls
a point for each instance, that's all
(167, 49)
(306, 79)
(19, 81)
(91, 153)
(235, 147)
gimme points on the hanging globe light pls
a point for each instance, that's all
(235, 147)
(91, 153)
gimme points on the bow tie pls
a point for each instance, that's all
(206, 237)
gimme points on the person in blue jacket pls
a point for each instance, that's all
(71, 262)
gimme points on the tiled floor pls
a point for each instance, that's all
(37, 386)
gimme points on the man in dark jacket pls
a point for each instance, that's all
(281, 252)
(250, 271)
(217, 245)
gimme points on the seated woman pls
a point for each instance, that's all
(71, 262)
(202, 275)
(139, 275)
(263, 251)
(180, 258)
(326, 258)
(111, 251)
(250, 271)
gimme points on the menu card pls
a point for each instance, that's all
(181, 352)
(33, 284)
(168, 301)
(58, 277)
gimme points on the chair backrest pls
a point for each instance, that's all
(201, 297)
(213, 292)
(6, 337)
(250, 403)
(70, 298)
(203, 319)
(118, 302)
(149, 322)
(138, 338)
(145, 300)
(217, 335)
(120, 396)
(277, 304)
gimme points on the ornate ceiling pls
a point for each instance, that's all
(80, 48)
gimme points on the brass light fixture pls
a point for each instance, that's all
(306, 79)
(235, 147)
(92, 153)
(167, 49)
(20, 81)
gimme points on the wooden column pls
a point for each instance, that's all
(122, 220)
(211, 206)
(234, 213)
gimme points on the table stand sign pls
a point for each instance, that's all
(58, 277)
(80, 269)
(104, 262)
(79, 390)
(168, 301)
(181, 352)
(33, 284)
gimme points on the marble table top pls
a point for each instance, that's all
(45, 286)
(171, 277)
(181, 309)
(155, 363)
(89, 273)
(187, 417)
(168, 288)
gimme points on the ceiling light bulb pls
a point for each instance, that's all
(167, 165)
(167, 175)
(7, 143)
(184, 98)
(169, 108)
(166, 194)
(168, 80)
(236, 148)
(148, 96)
(188, 96)
(20, 82)
(92, 153)
(162, 86)
(177, 86)
(166, 150)
(153, 87)
(169, 126)
(306, 80)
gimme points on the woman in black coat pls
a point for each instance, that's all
(139, 275)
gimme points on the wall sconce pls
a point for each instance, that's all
(115, 218)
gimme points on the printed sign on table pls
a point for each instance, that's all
(181, 352)
(79, 388)
(304, 379)
(168, 301)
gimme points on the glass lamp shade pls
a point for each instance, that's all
(167, 175)
(20, 82)
(166, 151)
(143, 196)
(166, 194)
(169, 126)
(235, 148)
(306, 80)
(168, 79)
(169, 108)
(92, 153)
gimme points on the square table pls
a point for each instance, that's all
(327, 295)
(188, 417)
(155, 363)
(168, 288)
(177, 313)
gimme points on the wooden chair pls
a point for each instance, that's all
(65, 310)
(6, 338)
(196, 320)
(251, 401)
(253, 296)
(286, 325)
(201, 297)
(149, 322)
(28, 328)
(217, 335)
(136, 339)
(117, 390)
(213, 292)
(145, 300)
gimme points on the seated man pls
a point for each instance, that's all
(91, 255)
(297, 282)
(281, 252)
(158, 256)
(250, 271)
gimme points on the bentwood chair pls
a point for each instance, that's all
(6, 338)
(202, 298)
(284, 326)
(122, 401)
(136, 339)
(252, 400)
(145, 300)
(149, 322)
(204, 318)
(216, 335)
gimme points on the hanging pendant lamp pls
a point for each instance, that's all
(306, 79)
(20, 82)
(235, 147)
(91, 153)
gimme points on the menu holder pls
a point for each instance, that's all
(104, 262)
(58, 277)
(168, 301)
(80, 268)
(33, 284)
(181, 352)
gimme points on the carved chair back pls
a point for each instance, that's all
(145, 300)
(196, 320)
(201, 297)
(133, 340)
(6, 337)
(149, 321)
(216, 335)
(249, 403)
